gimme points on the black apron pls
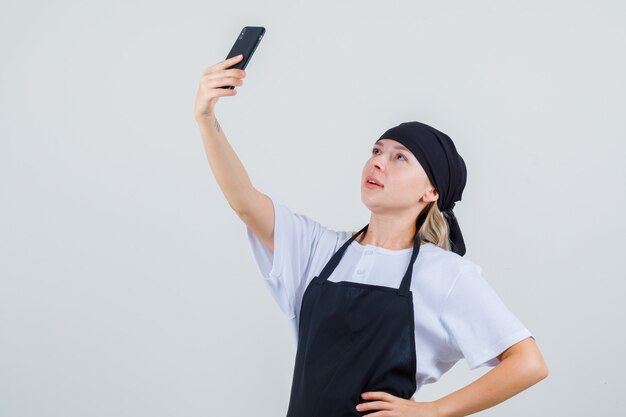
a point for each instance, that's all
(352, 338)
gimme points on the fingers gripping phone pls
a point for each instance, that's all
(246, 44)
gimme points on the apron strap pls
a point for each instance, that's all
(406, 280)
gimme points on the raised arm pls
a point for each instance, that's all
(253, 207)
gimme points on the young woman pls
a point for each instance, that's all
(372, 320)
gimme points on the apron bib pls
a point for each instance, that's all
(352, 338)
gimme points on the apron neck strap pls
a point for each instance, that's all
(406, 280)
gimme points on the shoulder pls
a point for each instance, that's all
(295, 226)
(436, 272)
(452, 262)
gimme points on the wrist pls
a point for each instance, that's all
(208, 124)
(204, 119)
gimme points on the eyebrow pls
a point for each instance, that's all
(393, 146)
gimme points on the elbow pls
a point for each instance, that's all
(527, 360)
(533, 360)
(539, 369)
(543, 371)
(531, 365)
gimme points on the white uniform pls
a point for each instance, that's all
(457, 313)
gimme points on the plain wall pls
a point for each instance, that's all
(127, 285)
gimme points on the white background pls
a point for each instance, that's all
(127, 286)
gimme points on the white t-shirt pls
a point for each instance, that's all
(457, 313)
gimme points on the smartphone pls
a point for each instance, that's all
(246, 44)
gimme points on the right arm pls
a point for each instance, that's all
(254, 208)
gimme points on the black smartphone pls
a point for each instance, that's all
(246, 44)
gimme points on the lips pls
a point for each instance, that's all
(378, 183)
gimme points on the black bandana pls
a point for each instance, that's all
(445, 168)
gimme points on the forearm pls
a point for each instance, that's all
(228, 170)
(511, 376)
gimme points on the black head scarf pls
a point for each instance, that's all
(445, 168)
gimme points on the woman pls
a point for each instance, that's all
(372, 320)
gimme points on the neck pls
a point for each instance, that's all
(386, 239)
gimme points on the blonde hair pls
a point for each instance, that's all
(435, 227)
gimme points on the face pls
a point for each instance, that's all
(406, 186)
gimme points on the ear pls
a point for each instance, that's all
(431, 195)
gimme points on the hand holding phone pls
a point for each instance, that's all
(246, 44)
(221, 78)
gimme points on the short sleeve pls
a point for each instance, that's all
(479, 325)
(296, 239)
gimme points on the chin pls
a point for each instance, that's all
(370, 205)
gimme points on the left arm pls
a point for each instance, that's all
(521, 366)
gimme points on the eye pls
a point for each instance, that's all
(376, 149)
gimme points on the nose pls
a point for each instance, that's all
(377, 163)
